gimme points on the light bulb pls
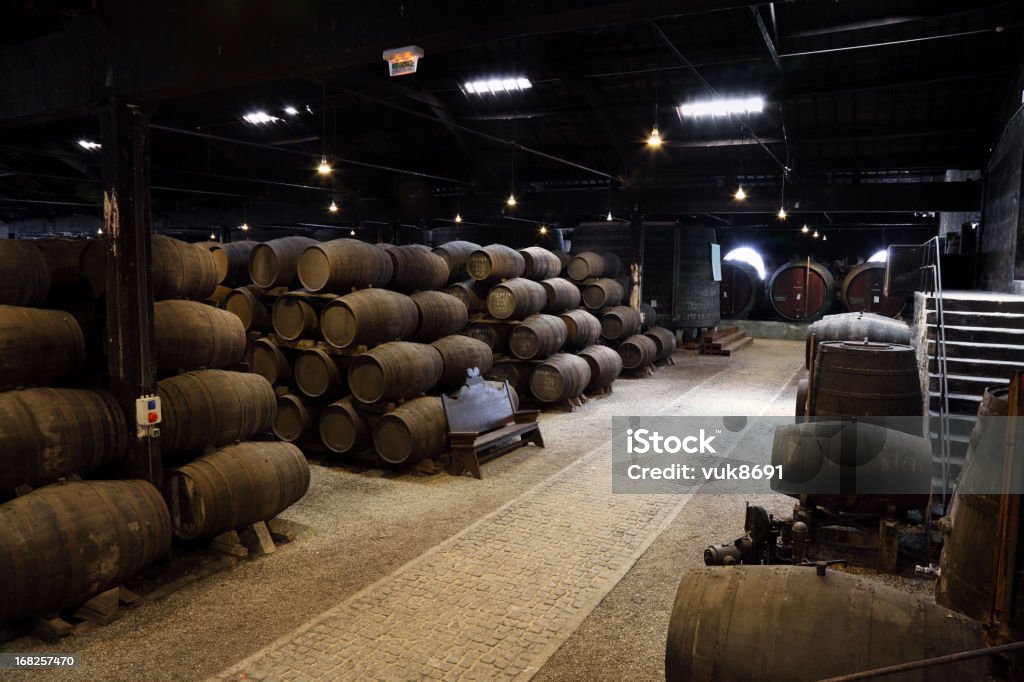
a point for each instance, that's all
(458, 217)
(511, 201)
(244, 227)
(352, 233)
(543, 229)
(213, 236)
(740, 194)
(333, 208)
(609, 217)
(655, 139)
(324, 168)
(782, 213)
(805, 229)
(99, 230)
(815, 235)
(824, 237)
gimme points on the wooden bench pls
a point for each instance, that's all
(481, 418)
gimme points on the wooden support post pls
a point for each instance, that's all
(636, 259)
(126, 222)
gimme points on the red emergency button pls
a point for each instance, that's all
(153, 417)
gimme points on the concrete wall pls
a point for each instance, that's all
(1002, 246)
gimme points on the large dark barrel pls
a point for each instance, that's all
(495, 262)
(648, 316)
(395, 370)
(459, 354)
(582, 328)
(190, 335)
(47, 433)
(562, 295)
(179, 269)
(472, 293)
(65, 258)
(38, 347)
(538, 336)
(276, 263)
(296, 418)
(213, 407)
(586, 265)
(740, 289)
(719, 628)
(664, 342)
(620, 322)
(515, 372)
(270, 361)
(296, 314)
(232, 261)
(801, 290)
(455, 254)
(67, 542)
(412, 432)
(321, 375)
(865, 380)
(863, 290)
(234, 486)
(416, 268)
(516, 299)
(540, 263)
(856, 327)
(343, 264)
(495, 335)
(24, 273)
(343, 429)
(440, 315)
(368, 317)
(637, 351)
(561, 377)
(251, 306)
(695, 293)
(605, 366)
(603, 293)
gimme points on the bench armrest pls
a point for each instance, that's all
(463, 437)
(526, 416)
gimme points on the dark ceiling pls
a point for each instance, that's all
(858, 93)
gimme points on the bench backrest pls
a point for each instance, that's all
(478, 407)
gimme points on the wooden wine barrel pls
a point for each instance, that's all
(472, 293)
(495, 335)
(515, 372)
(540, 263)
(67, 542)
(612, 264)
(637, 351)
(620, 322)
(343, 429)
(586, 265)
(24, 273)
(516, 299)
(864, 380)
(48, 433)
(562, 295)
(296, 419)
(251, 306)
(537, 336)
(582, 328)
(232, 261)
(270, 361)
(718, 631)
(801, 399)
(603, 293)
(495, 262)
(562, 257)
(276, 263)
(190, 335)
(459, 354)
(321, 375)
(213, 407)
(296, 314)
(234, 486)
(561, 377)
(863, 290)
(416, 268)
(65, 258)
(368, 317)
(664, 342)
(740, 289)
(801, 290)
(455, 254)
(856, 327)
(341, 265)
(648, 316)
(413, 431)
(440, 315)
(393, 371)
(605, 366)
(38, 347)
(179, 269)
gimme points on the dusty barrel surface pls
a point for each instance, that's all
(440, 315)
(620, 322)
(494, 262)
(455, 254)
(416, 268)
(540, 263)
(561, 377)
(605, 365)
(717, 628)
(637, 351)
(47, 433)
(252, 306)
(368, 317)
(343, 264)
(562, 295)
(586, 265)
(857, 327)
(395, 370)
(24, 273)
(740, 289)
(38, 347)
(603, 293)
(296, 314)
(472, 293)
(863, 289)
(801, 290)
(320, 375)
(232, 261)
(343, 429)
(182, 270)
(582, 328)
(67, 542)
(270, 361)
(296, 418)
(234, 486)
(664, 342)
(276, 263)
(516, 299)
(412, 432)
(190, 335)
(458, 355)
(865, 379)
(213, 407)
(538, 336)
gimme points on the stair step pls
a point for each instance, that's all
(990, 352)
(978, 301)
(960, 425)
(997, 335)
(978, 366)
(959, 403)
(971, 318)
(738, 343)
(965, 383)
(724, 340)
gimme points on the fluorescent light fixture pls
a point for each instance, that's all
(89, 145)
(291, 111)
(723, 107)
(496, 85)
(879, 257)
(747, 255)
(259, 118)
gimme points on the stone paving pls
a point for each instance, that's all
(492, 602)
